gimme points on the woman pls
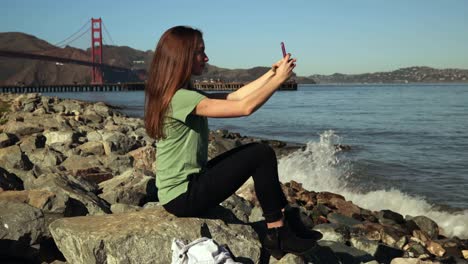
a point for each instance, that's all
(176, 115)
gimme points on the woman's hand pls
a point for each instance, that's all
(283, 68)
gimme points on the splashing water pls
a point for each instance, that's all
(319, 168)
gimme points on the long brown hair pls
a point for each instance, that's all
(170, 70)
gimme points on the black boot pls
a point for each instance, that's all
(281, 240)
(292, 216)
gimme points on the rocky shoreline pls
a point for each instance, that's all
(77, 185)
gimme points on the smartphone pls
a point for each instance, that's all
(283, 49)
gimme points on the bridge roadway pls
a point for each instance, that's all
(119, 87)
(18, 54)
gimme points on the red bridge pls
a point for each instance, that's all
(95, 61)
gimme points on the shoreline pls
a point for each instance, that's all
(66, 158)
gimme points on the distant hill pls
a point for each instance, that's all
(21, 71)
(414, 74)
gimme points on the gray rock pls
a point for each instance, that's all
(336, 218)
(30, 143)
(74, 196)
(94, 136)
(382, 253)
(131, 187)
(102, 109)
(287, 259)
(91, 148)
(118, 164)
(46, 157)
(119, 142)
(256, 215)
(76, 163)
(425, 224)
(144, 237)
(7, 140)
(62, 137)
(21, 128)
(19, 221)
(345, 253)
(389, 217)
(13, 159)
(151, 205)
(333, 232)
(124, 208)
(239, 207)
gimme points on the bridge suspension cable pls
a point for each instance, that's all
(60, 43)
(107, 32)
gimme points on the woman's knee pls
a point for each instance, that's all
(264, 150)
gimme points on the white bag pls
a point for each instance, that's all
(203, 250)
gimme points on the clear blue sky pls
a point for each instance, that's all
(326, 36)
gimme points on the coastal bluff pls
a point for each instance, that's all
(77, 185)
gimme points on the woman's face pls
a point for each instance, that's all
(200, 59)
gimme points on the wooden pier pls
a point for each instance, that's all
(122, 87)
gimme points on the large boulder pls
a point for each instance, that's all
(73, 196)
(13, 159)
(21, 226)
(144, 237)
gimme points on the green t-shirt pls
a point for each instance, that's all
(185, 149)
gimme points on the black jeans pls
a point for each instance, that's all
(225, 174)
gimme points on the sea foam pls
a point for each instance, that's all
(319, 168)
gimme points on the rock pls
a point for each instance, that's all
(124, 208)
(131, 187)
(118, 142)
(421, 237)
(388, 217)
(91, 148)
(382, 253)
(347, 254)
(287, 259)
(40, 199)
(78, 163)
(144, 237)
(415, 249)
(94, 136)
(102, 109)
(324, 197)
(21, 129)
(21, 226)
(239, 207)
(95, 174)
(342, 220)
(12, 158)
(247, 191)
(333, 232)
(46, 157)
(118, 164)
(144, 158)
(391, 235)
(411, 261)
(30, 143)
(74, 196)
(425, 224)
(151, 205)
(345, 208)
(256, 215)
(9, 181)
(63, 137)
(435, 248)
(7, 140)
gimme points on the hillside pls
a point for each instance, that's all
(404, 75)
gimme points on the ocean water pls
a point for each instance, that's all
(409, 143)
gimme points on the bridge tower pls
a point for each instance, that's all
(96, 49)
